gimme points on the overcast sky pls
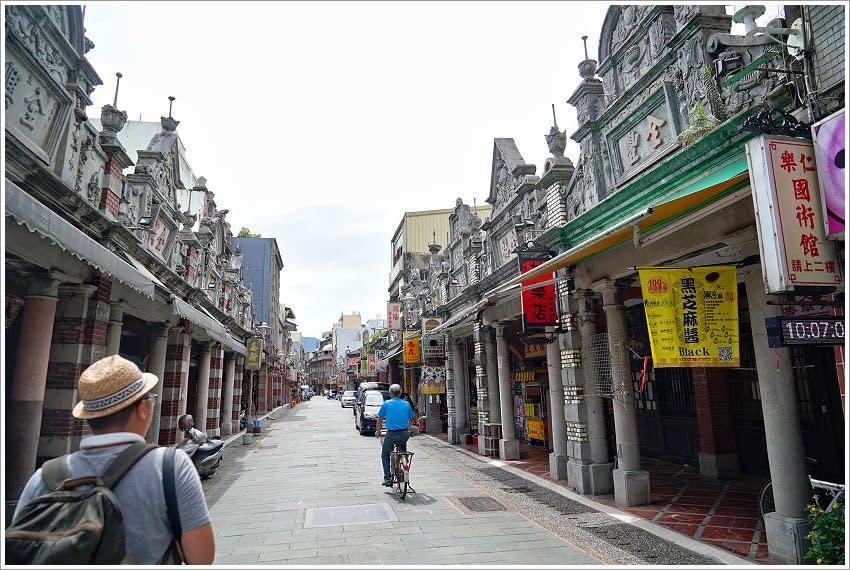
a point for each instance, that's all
(321, 123)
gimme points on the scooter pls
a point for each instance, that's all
(206, 453)
(243, 420)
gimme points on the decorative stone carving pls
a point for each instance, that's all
(683, 13)
(556, 141)
(93, 189)
(112, 119)
(40, 46)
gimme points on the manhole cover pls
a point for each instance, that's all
(354, 514)
(481, 504)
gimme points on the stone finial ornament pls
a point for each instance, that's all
(556, 140)
(111, 118)
(168, 123)
(586, 68)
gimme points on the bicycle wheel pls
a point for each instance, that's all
(765, 501)
(401, 484)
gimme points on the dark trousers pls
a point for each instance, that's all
(392, 438)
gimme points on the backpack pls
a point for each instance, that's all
(77, 521)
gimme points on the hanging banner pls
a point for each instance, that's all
(789, 217)
(433, 380)
(539, 307)
(411, 350)
(692, 315)
(372, 368)
(394, 316)
(252, 361)
(830, 142)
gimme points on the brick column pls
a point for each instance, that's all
(238, 373)
(203, 392)
(79, 338)
(175, 381)
(227, 393)
(260, 387)
(214, 393)
(718, 456)
(26, 397)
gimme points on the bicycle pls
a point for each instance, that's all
(822, 491)
(400, 460)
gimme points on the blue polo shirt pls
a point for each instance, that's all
(396, 413)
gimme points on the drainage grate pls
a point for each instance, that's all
(481, 504)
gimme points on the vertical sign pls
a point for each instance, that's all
(371, 369)
(692, 315)
(394, 316)
(830, 142)
(411, 350)
(790, 219)
(539, 307)
(252, 362)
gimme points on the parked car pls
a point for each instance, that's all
(366, 410)
(364, 386)
(331, 394)
(347, 400)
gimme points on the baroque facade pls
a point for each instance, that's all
(666, 176)
(101, 258)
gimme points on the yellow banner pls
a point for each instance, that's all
(411, 350)
(254, 346)
(692, 315)
(536, 429)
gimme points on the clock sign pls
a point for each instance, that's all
(784, 331)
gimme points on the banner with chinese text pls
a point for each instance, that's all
(411, 350)
(394, 316)
(539, 307)
(691, 315)
(789, 216)
(254, 346)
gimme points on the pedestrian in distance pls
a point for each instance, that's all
(399, 416)
(117, 401)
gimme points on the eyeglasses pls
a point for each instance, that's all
(150, 396)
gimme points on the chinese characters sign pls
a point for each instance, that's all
(411, 350)
(790, 219)
(539, 309)
(394, 316)
(692, 315)
(159, 237)
(252, 362)
(372, 368)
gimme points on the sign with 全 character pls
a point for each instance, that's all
(539, 304)
(789, 216)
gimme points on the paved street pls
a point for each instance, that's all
(307, 491)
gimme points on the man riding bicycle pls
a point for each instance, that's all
(399, 417)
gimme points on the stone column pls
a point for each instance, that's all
(787, 527)
(156, 365)
(481, 384)
(492, 375)
(203, 392)
(461, 426)
(558, 457)
(24, 410)
(227, 394)
(509, 444)
(175, 383)
(631, 484)
(589, 467)
(113, 333)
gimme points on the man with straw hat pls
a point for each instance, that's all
(117, 402)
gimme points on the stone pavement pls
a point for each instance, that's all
(307, 491)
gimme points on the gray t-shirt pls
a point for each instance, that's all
(147, 533)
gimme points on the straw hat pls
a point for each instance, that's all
(109, 385)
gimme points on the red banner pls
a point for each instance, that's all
(538, 304)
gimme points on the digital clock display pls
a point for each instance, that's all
(784, 331)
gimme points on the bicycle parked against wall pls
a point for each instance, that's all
(825, 494)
